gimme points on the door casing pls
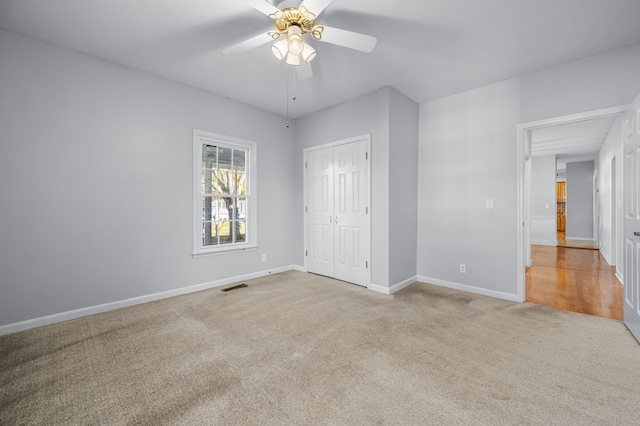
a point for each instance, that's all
(367, 226)
(523, 182)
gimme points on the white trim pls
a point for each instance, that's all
(299, 268)
(579, 238)
(201, 137)
(619, 277)
(105, 307)
(403, 284)
(394, 288)
(550, 243)
(606, 257)
(379, 288)
(549, 222)
(596, 199)
(305, 151)
(228, 251)
(469, 289)
(521, 137)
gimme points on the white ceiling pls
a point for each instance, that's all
(426, 49)
(578, 141)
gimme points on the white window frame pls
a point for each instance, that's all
(200, 138)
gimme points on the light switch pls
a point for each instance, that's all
(546, 205)
(489, 204)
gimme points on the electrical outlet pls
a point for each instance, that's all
(488, 204)
(463, 268)
(264, 257)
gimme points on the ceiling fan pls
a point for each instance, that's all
(293, 23)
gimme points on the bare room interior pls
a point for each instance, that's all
(319, 212)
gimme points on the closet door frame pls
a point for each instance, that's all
(367, 225)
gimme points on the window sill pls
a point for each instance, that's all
(224, 251)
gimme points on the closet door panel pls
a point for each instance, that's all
(350, 214)
(320, 234)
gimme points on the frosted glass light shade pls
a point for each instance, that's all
(308, 53)
(296, 45)
(294, 35)
(280, 49)
(294, 59)
(293, 49)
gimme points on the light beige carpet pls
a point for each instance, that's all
(300, 349)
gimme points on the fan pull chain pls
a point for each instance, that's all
(287, 74)
(293, 98)
(294, 78)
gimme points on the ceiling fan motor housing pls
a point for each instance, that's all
(294, 16)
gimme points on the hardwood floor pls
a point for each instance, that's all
(574, 279)
(563, 242)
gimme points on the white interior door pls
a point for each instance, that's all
(319, 170)
(351, 236)
(337, 207)
(631, 185)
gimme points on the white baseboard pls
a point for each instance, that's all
(470, 289)
(402, 284)
(551, 243)
(379, 288)
(299, 268)
(91, 310)
(619, 277)
(606, 257)
(579, 238)
(396, 287)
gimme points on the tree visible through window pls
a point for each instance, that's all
(224, 189)
(224, 194)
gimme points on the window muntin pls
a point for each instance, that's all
(226, 193)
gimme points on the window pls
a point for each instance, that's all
(224, 193)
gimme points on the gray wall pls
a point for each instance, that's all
(468, 153)
(542, 205)
(609, 172)
(96, 182)
(467, 156)
(543, 185)
(598, 81)
(368, 113)
(391, 118)
(95, 175)
(580, 200)
(403, 187)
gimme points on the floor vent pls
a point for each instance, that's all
(235, 287)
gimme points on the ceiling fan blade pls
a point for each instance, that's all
(304, 71)
(250, 43)
(315, 6)
(357, 41)
(264, 7)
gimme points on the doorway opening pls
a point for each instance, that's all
(524, 154)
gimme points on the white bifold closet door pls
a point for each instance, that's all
(337, 211)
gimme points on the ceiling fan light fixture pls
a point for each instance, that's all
(280, 49)
(294, 59)
(296, 44)
(308, 53)
(294, 20)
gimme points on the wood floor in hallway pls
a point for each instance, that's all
(575, 280)
(585, 244)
